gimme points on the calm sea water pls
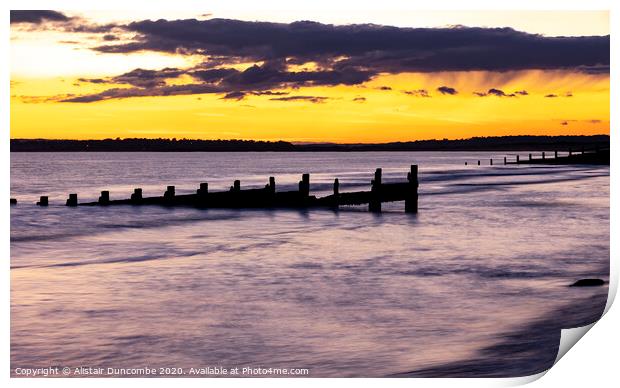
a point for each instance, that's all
(349, 293)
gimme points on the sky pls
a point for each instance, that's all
(347, 77)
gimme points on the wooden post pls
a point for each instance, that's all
(411, 201)
(137, 195)
(43, 201)
(583, 150)
(336, 194)
(490, 162)
(13, 201)
(466, 163)
(73, 200)
(203, 189)
(570, 152)
(169, 194)
(272, 184)
(505, 162)
(555, 154)
(478, 163)
(375, 202)
(237, 185)
(104, 199)
(304, 185)
(543, 155)
(530, 157)
(517, 159)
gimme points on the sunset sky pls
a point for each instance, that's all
(379, 77)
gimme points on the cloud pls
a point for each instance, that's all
(418, 92)
(54, 20)
(564, 123)
(313, 99)
(447, 90)
(359, 99)
(343, 54)
(234, 96)
(568, 94)
(500, 93)
(255, 79)
(380, 48)
(37, 16)
(551, 96)
(168, 90)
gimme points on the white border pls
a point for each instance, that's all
(593, 363)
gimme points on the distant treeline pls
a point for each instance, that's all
(501, 143)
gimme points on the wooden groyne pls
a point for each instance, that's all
(595, 156)
(269, 198)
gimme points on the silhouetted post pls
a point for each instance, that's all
(555, 154)
(466, 163)
(491, 162)
(272, 185)
(570, 152)
(204, 189)
(73, 200)
(375, 196)
(411, 200)
(478, 163)
(304, 185)
(137, 195)
(42, 201)
(104, 199)
(530, 157)
(169, 194)
(336, 193)
(236, 185)
(543, 155)
(517, 158)
(505, 161)
(13, 201)
(583, 150)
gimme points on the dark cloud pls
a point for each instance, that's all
(568, 94)
(140, 77)
(381, 48)
(94, 80)
(110, 37)
(37, 16)
(257, 80)
(313, 99)
(500, 93)
(239, 95)
(551, 96)
(447, 90)
(564, 123)
(234, 96)
(359, 99)
(417, 92)
(168, 90)
(344, 54)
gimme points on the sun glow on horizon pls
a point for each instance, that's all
(396, 106)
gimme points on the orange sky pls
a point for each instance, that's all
(378, 110)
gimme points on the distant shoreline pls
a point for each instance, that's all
(499, 143)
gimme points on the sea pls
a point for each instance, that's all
(475, 284)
